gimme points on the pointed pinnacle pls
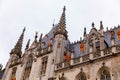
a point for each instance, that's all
(93, 24)
(36, 35)
(84, 31)
(101, 25)
(27, 45)
(64, 8)
(40, 39)
(24, 29)
(18, 46)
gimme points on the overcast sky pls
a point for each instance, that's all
(39, 15)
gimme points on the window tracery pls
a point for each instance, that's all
(28, 69)
(105, 75)
(81, 75)
(44, 65)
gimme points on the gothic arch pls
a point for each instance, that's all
(62, 77)
(81, 76)
(104, 73)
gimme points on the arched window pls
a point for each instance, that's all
(82, 76)
(105, 75)
(44, 65)
(28, 69)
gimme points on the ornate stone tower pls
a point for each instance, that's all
(15, 54)
(60, 38)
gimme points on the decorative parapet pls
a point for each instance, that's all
(114, 50)
(44, 51)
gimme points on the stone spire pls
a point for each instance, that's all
(62, 22)
(61, 29)
(101, 25)
(27, 45)
(18, 46)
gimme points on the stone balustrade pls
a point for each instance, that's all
(44, 51)
(89, 57)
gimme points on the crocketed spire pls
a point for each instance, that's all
(62, 22)
(18, 46)
(61, 29)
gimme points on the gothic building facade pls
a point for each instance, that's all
(54, 57)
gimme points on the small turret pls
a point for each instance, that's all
(17, 49)
(40, 39)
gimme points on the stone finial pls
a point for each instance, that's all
(24, 29)
(101, 25)
(103, 63)
(84, 31)
(93, 25)
(64, 8)
(40, 39)
(36, 35)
